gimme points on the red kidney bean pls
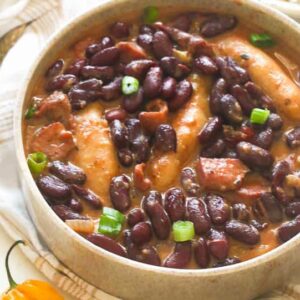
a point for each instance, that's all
(135, 216)
(267, 103)
(134, 129)
(106, 42)
(217, 243)
(182, 22)
(162, 45)
(293, 209)
(233, 136)
(254, 90)
(125, 157)
(217, 92)
(92, 49)
(165, 138)
(119, 191)
(75, 205)
(175, 204)
(61, 82)
(258, 225)
(289, 229)
(168, 88)
(231, 109)
(183, 94)
(86, 194)
(106, 243)
(66, 213)
(54, 188)
(293, 137)
(139, 68)
(145, 41)
(229, 153)
(119, 134)
(210, 130)
(275, 122)
(231, 71)
(106, 57)
(272, 207)
(216, 149)
(281, 195)
(218, 209)
(201, 253)
(254, 156)
(196, 212)
(240, 212)
(279, 172)
(146, 28)
(172, 67)
(115, 114)
(242, 232)
(217, 25)
(104, 73)
(180, 257)
(141, 233)
(80, 98)
(112, 90)
(158, 216)
(67, 172)
(243, 97)
(263, 139)
(188, 180)
(153, 82)
(133, 102)
(75, 67)
(120, 30)
(227, 262)
(89, 85)
(206, 65)
(55, 69)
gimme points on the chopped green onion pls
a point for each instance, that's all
(30, 112)
(150, 14)
(109, 226)
(259, 116)
(37, 162)
(261, 40)
(130, 85)
(108, 211)
(183, 231)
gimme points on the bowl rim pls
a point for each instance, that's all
(26, 175)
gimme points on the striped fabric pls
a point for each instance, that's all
(49, 16)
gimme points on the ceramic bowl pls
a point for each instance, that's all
(122, 277)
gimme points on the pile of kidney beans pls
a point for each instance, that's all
(228, 134)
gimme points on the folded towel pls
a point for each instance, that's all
(13, 214)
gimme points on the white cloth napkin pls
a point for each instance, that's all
(14, 218)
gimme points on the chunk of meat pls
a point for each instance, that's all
(251, 191)
(140, 181)
(221, 174)
(164, 168)
(55, 107)
(96, 152)
(266, 72)
(54, 140)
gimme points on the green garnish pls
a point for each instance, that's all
(130, 85)
(118, 216)
(109, 226)
(37, 162)
(261, 40)
(183, 231)
(150, 14)
(259, 116)
(30, 112)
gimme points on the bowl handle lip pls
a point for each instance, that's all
(26, 175)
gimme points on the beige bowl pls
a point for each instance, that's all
(122, 277)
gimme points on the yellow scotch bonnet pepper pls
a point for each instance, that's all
(30, 289)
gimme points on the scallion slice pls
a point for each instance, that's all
(37, 162)
(109, 226)
(30, 112)
(130, 85)
(259, 116)
(150, 14)
(261, 40)
(183, 231)
(118, 216)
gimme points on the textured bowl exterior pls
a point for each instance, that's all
(122, 277)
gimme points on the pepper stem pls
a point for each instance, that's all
(12, 283)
